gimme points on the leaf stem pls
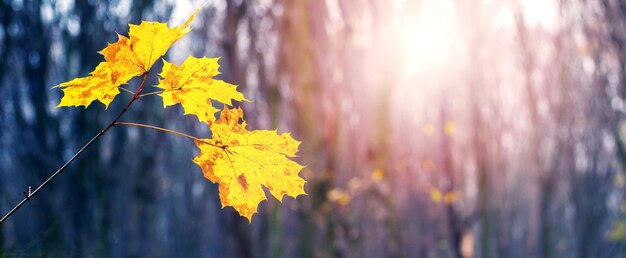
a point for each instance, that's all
(169, 90)
(30, 194)
(167, 131)
(126, 90)
(151, 93)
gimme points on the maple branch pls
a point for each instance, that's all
(30, 194)
(167, 131)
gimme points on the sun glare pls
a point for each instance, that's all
(541, 13)
(430, 52)
(428, 37)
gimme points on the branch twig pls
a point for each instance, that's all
(30, 194)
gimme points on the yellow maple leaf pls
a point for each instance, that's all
(193, 86)
(124, 59)
(150, 40)
(242, 161)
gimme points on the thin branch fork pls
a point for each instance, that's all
(30, 194)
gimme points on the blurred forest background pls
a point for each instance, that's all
(430, 128)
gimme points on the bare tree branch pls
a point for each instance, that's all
(30, 194)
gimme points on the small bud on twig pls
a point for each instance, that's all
(29, 193)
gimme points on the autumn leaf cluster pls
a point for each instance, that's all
(240, 161)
